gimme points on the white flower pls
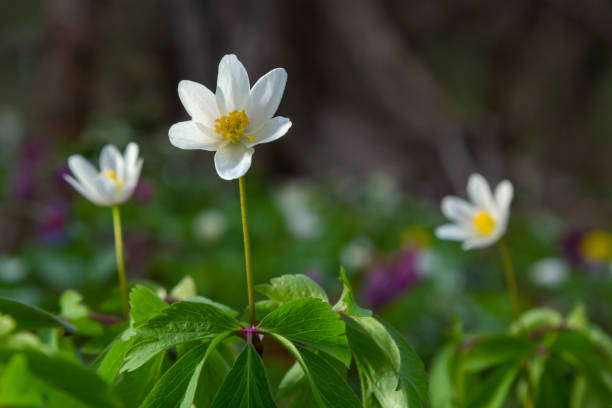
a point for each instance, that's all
(209, 225)
(234, 119)
(483, 221)
(116, 180)
(549, 272)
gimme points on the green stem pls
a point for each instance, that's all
(120, 262)
(510, 277)
(247, 250)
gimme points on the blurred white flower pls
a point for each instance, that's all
(549, 272)
(11, 270)
(357, 254)
(116, 180)
(294, 200)
(235, 119)
(483, 221)
(209, 225)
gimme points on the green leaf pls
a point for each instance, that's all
(444, 394)
(578, 349)
(347, 303)
(133, 387)
(413, 379)
(109, 367)
(201, 299)
(328, 388)
(144, 304)
(142, 351)
(536, 319)
(312, 322)
(286, 288)
(492, 392)
(30, 317)
(211, 378)
(17, 387)
(291, 382)
(177, 387)
(67, 376)
(246, 385)
(71, 305)
(187, 321)
(497, 349)
(180, 323)
(184, 289)
(378, 377)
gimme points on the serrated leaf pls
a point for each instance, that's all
(497, 349)
(201, 299)
(71, 305)
(492, 392)
(144, 304)
(379, 379)
(246, 385)
(187, 321)
(413, 379)
(286, 288)
(311, 322)
(31, 317)
(177, 387)
(347, 303)
(328, 387)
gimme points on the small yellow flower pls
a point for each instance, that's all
(596, 246)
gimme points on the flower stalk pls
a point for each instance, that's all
(247, 250)
(510, 276)
(120, 262)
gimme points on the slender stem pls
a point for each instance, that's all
(510, 277)
(120, 262)
(247, 250)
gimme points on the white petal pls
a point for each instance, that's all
(130, 159)
(112, 160)
(480, 193)
(199, 102)
(479, 242)
(233, 81)
(106, 189)
(273, 129)
(192, 135)
(457, 209)
(233, 160)
(503, 196)
(131, 182)
(265, 97)
(451, 232)
(84, 191)
(83, 171)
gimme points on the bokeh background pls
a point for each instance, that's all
(394, 103)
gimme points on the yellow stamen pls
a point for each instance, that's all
(484, 223)
(113, 176)
(232, 125)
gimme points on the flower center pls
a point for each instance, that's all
(597, 246)
(113, 176)
(232, 125)
(483, 223)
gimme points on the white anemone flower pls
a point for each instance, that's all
(481, 222)
(116, 180)
(233, 120)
